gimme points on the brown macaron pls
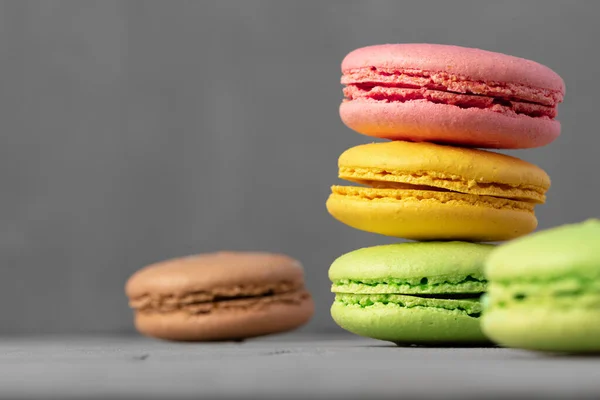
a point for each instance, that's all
(219, 296)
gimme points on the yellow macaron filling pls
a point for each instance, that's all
(440, 181)
(440, 197)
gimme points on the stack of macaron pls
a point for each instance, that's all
(435, 107)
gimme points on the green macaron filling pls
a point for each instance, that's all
(471, 283)
(468, 306)
(567, 292)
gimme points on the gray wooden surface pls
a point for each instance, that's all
(286, 366)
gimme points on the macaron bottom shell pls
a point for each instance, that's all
(545, 328)
(435, 322)
(431, 215)
(445, 123)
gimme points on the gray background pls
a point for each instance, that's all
(134, 131)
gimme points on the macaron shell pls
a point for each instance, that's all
(423, 121)
(476, 64)
(182, 326)
(205, 272)
(418, 325)
(545, 328)
(428, 215)
(413, 261)
(453, 168)
(562, 252)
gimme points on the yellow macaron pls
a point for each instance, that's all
(426, 191)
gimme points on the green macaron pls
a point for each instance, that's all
(412, 293)
(544, 290)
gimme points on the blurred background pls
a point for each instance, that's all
(135, 131)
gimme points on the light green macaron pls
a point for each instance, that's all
(544, 290)
(412, 293)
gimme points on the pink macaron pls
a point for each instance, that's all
(450, 94)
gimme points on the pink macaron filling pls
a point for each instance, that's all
(374, 84)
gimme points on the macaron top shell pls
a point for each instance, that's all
(452, 168)
(467, 63)
(425, 267)
(564, 251)
(207, 272)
